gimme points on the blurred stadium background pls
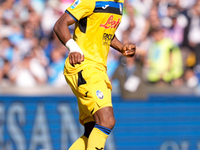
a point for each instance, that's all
(156, 94)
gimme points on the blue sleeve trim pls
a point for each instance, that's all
(71, 15)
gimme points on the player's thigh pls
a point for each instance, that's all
(79, 88)
(101, 94)
(92, 91)
(98, 97)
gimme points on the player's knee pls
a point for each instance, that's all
(105, 117)
(108, 122)
(111, 123)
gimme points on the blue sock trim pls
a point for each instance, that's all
(86, 135)
(103, 129)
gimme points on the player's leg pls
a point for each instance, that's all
(105, 121)
(94, 99)
(103, 116)
(81, 143)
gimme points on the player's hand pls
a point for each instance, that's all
(75, 58)
(128, 50)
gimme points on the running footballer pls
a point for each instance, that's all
(85, 67)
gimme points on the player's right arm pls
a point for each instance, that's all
(61, 29)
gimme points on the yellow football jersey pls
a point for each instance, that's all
(96, 23)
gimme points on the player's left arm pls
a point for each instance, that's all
(127, 50)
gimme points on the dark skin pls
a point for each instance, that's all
(104, 116)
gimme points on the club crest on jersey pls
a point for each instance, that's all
(99, 94)
(110, 23)
(75, 4)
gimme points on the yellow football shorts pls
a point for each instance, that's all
(92, 89)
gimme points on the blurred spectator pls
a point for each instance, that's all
(17, 35)
(112, 62)
(141, 7)
(39, 54)
(26, 38)
(191, 79)
(22, 9)
(185, 4)
(51, 9)
(4, 69)
(35, 21)
(38, 5)
(6, 49)
(25, 45)
(129, 75)
(154, 20)
(49, 44)
(164, 62)
(174, 22)
(28, 73)
(134, 26)
(55, 68)
(194, 30)
(191, 45)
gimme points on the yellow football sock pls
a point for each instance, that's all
(80, 144)
(97, 138)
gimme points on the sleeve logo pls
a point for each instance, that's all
(75, 4)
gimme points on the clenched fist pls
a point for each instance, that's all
(128, 50)
(75, 58)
